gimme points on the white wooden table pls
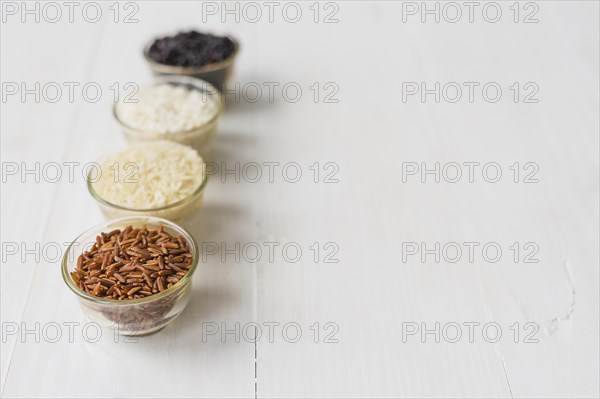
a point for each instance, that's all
(373, 305)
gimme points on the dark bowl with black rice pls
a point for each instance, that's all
(201, 55)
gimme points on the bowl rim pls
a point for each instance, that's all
(198, 84)
(189, 198)
(116, 302)
(178, 70)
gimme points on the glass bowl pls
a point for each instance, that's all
(199, 137)
(135, 316)
(216, 73)
(176, 211)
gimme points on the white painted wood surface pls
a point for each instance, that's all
(370, 292)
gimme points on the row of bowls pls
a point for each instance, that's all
(147, 315)
(209, 80)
